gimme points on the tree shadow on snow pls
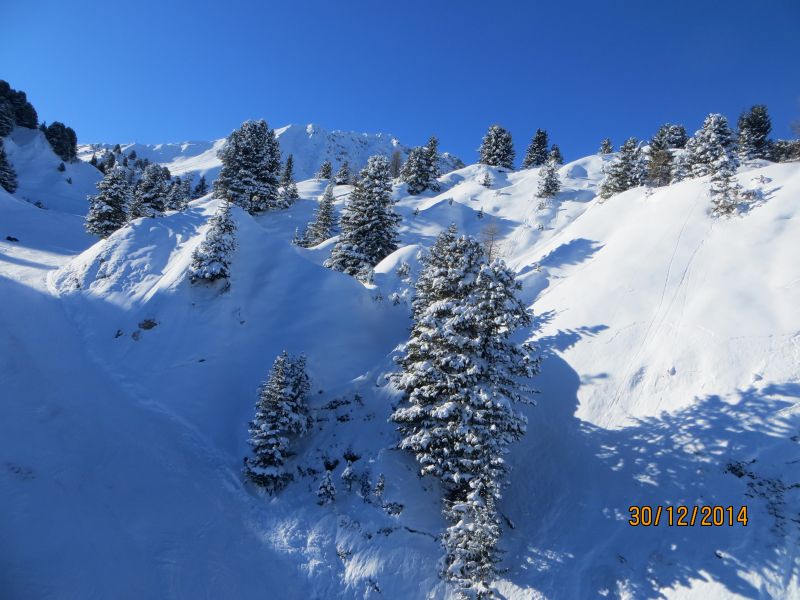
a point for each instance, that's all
(573, 482)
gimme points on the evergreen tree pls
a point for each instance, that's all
(415, 171)
(109, 162)
(93, 161)
(211, 259)
(754, 129)
(24, 113)
(117, 149)
(132, 155)
(368, 224)
(178, 194)
(201, 189)
(288, 193)
(326, 493)
(324, 223)
(325, 170)
(151, 192)
(343, 174)
(626, 171)
(251, 161)
(555, 154)
(281, 416)
(431, 154)
(669, 137)
(606, 147)
(725, 189)
(6, 117)
(460, 375)
(8, 177)
(659, 167)
(396, 164)
(549, 182)
(537, 152)
(487, 180)
(680, 168)
(108, 208)
(710, 144)
(497, 148)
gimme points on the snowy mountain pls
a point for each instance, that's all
(670, 343)
(309, 144)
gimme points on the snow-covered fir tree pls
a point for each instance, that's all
(537, 152)
(606, 147)
(549, 182)
(343, 175)
(326, 493)
(725, 190)
(108, 208)
(325, 170)
(669, 137)
(555, 155)
(626, 171)
(754, 129)
(710, 143)
(288, 193)
(324, 223)
(178, 194)
(63, 141)
(8, 176)
(461, 376)
(150, 194)
(659, 167)
(212, 258)
(251, 163)
(281, 417)
(431, 150)
(486, 181)
(368, 224)
(201, 189)
(497, 148)
(415, 171)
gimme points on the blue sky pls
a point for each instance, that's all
(179, 70)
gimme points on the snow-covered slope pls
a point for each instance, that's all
(671, 343)
(309, 144)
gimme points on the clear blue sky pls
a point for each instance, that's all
(179, 70)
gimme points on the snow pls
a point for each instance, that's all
(671, 345)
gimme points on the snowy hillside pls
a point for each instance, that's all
(309, 144)
(671, 346)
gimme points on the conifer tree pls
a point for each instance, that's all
(368, 223)
(178, 194)
(24, 113)
(626, 171)
(108, 208)
(212, 258)
(555, 155)
(324, 223)
(549, 182)
(415, 171)
(606, 147)
(396, 164)
(431, 153)
(754, 129)
(659, 167)
(669, 137)
(281, 416)
(680, 168)
(725, 189)
(343, 174)
(326, 493)
(288, 193)
(201, 189)
(710, 144)
(93, 161)
(251, 162)
(150, 194)
(537, 152)
(325, 170)
(497, 148)
(6, 117)
(460, 376)
(8, 176)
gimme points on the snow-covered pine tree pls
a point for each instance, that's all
(659, 167)
(151, 192)
(178, 194)
(415, 171)
(669, 137)
(725, 189)
(201, 189)
(324, 223)
(555, 155)
(6, 117)
(606, 147)
(395, 164)
(486, 181)
(711, 142)
(754, 129)
(626, 171)
(108, 208)
(431, 152)
(537, 152)
(460, 375)
(497, 148)
(368, 224)
(63, 141)
(325, 170)
(251, 163)
(549, 182)
(281, 416)
(211, 259)
(288, 193)
(326, 493)
(343, 174)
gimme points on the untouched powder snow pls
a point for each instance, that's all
(671, 345)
